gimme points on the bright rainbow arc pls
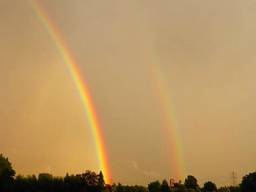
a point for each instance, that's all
(81, 85)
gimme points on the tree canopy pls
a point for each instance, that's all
(249, 183)
(191, 182)
(7, 174)
(209, 187)
(90, 181)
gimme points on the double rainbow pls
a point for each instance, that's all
(158, 80)
(80, 83)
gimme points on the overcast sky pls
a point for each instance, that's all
(204, 51)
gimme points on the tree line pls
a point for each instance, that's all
(90, 181)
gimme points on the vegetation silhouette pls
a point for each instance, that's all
(92, 182)
(209, 187)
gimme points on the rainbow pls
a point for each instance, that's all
(170, 123)
(80, 84)
(170, 127)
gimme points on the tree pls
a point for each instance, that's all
(45, 181)
(249, 183)
(180, 188)
(209, 187)
(101, 182)
(235, 189)
(165, 187)
(154, 186)
(191, 182)
(7, 174)
(223, 189)
(72, 182)
(21, 183)
(92, 182)
(28, 183)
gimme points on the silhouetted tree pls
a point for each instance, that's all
(165, 187)
(101, 182)
(229, 189)
(45, 182)
(191, 182)
(209, 187)
(179, 187)
(7, 174)
(249, 183)
(235, 189)
(21, 183)
(72, 183)
(223, 189)
(58, 184)
(109, 188)
(127, 188)
(154, 186)
(92, 182)
(119, 188)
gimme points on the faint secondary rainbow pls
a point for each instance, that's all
(169, 122)
(80, 83)
(170, 127)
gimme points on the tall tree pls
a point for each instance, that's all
(7, 174)
(101, 182)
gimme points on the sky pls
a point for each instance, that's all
(161, 73)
